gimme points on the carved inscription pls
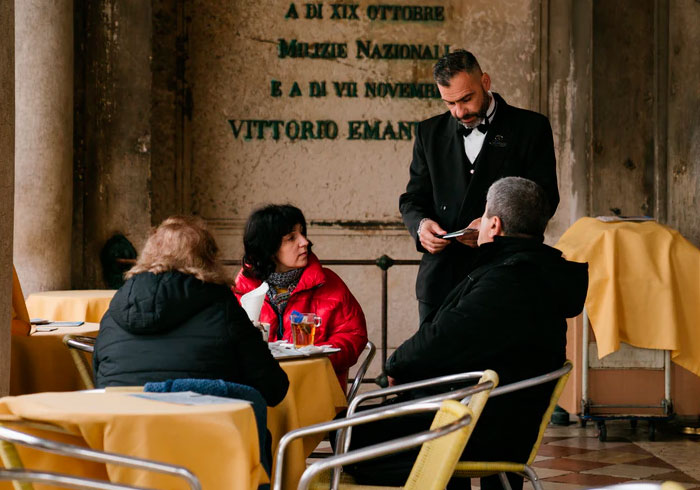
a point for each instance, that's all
(359, 49)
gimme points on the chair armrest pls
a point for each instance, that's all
(360, 375)
(65, 481)
(80, 342)
(343, 436)
(392, 390)
(431, 403)
(384, 448)
(17, 437)
(530, 382)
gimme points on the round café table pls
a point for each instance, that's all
(87, 305)
(314, 396)
(217, 442)
(41, 362)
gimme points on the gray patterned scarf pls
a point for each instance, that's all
(281, 286)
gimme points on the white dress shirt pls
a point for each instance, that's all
(475, 140)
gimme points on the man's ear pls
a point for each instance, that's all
(486, 81)
(496, 228)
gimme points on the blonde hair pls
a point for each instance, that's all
(184, 244)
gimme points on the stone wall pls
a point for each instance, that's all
(114, 63)
(164, 90)
(242, 67)
(7, 170)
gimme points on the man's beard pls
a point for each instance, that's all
(480, 116)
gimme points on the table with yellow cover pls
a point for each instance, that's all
(218, 442)
(79, 305)
(314, 396)
(643, 286)
(41, 362)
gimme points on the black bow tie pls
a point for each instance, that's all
(464, 131)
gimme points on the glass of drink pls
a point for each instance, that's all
(304, 328)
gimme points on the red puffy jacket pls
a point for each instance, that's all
(322, 292)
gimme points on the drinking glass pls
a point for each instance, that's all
(304, 328)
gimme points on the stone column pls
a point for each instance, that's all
(44, 143)
(7, 163)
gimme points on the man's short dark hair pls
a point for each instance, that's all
(453, 63)
(521, 205)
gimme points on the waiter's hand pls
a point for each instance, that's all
(470, 237)
(428, 239)
(392, 381)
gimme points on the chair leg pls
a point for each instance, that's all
(532, 476)
(504, 481)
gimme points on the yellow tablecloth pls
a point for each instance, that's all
(218, 443)
(80, 305)
(20, 316)
(644, 286)
(40, 362)
(314, 396)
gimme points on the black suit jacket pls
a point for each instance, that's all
(518, 143)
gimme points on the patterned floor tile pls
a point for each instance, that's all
(572, 431)
(588, 443)
(548, 439)
(540, 457)
(631, 448)
(653, 461)
(683, 454)
(630, 471)
(560, 451)
(544, 473)
(550, 485)
(608, 456)
(547, 485)
(588, 480)
(678, 476)
(568, 464)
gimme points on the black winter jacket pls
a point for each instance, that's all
(509, 314)
(172, 325)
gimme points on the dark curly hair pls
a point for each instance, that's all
(263, 236)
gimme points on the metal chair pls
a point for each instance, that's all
(26, 477)
(476, 469)
(78, 345)
(370, 350)
(433, 466)
(362, 370)
(12, 460)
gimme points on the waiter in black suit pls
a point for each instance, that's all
(456, 157)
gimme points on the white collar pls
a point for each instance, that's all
(491, 111)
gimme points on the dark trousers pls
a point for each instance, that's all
(393, 470)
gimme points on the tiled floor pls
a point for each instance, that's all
(572, 457)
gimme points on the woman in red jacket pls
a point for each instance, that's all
(278, 252)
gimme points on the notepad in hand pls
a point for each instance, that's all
(455, 234)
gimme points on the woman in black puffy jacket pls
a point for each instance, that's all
(176, 317)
